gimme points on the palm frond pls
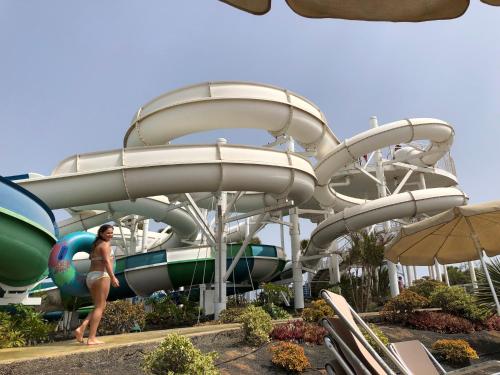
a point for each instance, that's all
(483, 292)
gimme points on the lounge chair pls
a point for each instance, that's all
(353, 355)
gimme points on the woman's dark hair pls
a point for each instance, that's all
(102, 229)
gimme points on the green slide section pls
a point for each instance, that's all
(27, 233)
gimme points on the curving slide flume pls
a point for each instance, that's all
(149, 176)
(27, 231)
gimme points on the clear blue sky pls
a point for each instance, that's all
(72, 74)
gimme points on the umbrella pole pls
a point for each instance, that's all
(479, 250)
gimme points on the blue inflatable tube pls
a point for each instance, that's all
(61, 267)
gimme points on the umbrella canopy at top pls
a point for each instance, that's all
(367, 10)
(449, 236)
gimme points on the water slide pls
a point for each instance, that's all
(149, 166)
(27, 231)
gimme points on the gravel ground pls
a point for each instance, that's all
(235, 357)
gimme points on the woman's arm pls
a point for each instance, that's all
(105, 251)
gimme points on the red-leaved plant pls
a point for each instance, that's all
(299, 331)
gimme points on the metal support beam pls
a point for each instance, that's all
(367, 174)
(310, 211)
(275, 207)
(145, 232)
(403, 181)
(369, 160)
(195, 212)
(231, 203)
(282, 139)
(244, 245)
(272, 220)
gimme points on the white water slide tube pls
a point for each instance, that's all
(146, 167)
(224, 104)
(133, 173)
(157, 208)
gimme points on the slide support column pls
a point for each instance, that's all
(379, 172)
(221, 257)
(296, 264)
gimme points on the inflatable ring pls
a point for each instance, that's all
(61, 268)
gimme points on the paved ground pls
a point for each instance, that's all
(123, 354)
(71, 347)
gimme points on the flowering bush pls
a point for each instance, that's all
(318, 310)
(454, 351)
(439, 322)
(176, 355)
(290, 357)
(256, 325)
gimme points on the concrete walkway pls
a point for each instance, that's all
(62, 348)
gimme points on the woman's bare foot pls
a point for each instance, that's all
(79, 334)
(94, 342)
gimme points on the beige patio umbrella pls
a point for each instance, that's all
(457, 235)
(367, 10)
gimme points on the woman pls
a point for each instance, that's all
(99, 278)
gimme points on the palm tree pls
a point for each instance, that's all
(365, 269)
(483, 291)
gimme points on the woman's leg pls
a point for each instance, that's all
(80, 331)
(99, 292)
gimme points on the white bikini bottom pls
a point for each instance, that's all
(93, 276)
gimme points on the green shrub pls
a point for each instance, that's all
(381, 336)
(318, 310)
(456, 301)
(236, 300)
(166, 313)
(231, 315)
(289, 356)
(425, 287)
(9, 336)
(273, 294)
(30, 323)
(121, 317)
(276, 312)
(454, 351)
(398, 308)
(256, 325)
(176, 355)
(25, 327)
